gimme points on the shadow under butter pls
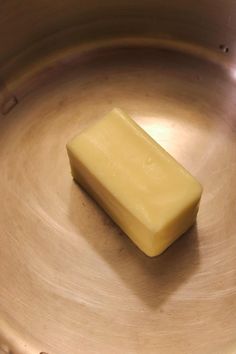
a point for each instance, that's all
(153, 280)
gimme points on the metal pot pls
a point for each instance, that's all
(70, 281)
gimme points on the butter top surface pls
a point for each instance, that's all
(145, 179)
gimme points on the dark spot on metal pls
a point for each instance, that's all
(224, 48)
(8, 105)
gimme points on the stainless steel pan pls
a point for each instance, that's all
(70, 281)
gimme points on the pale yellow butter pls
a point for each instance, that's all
(146, 192)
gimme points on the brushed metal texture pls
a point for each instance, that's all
(70, 281)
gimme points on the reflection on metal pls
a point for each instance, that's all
(4, 349)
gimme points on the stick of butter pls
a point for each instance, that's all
(146, 191)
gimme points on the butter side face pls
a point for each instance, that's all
(147, 193)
